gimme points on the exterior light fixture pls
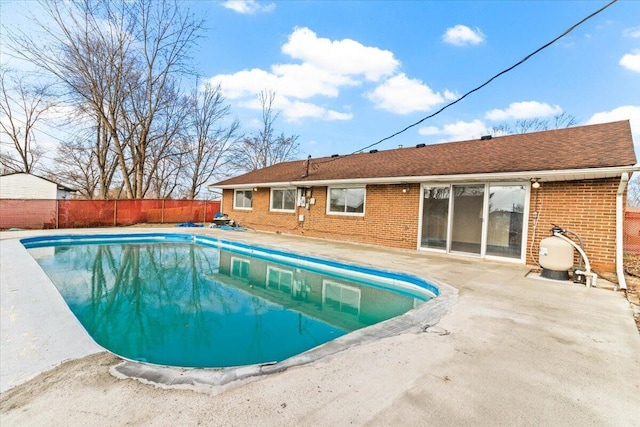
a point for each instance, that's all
(255, 188)
(535, 184)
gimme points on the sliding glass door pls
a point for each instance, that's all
(435, 217)
(478, 219)
(506, 215)
(466, 227)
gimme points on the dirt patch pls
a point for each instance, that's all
(83, 392)
(91, 370)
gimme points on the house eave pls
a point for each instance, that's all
(541, 175)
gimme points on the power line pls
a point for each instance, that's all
(567, 31)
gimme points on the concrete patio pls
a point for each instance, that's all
(512, 350)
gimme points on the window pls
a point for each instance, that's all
(279, 279)
(346, 201)
(243, 199)
(283, 199)
(240, 268)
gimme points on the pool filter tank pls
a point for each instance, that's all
(556, 258)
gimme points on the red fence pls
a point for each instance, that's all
(39, 214)
(632, 231)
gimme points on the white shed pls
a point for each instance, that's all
(26, 186)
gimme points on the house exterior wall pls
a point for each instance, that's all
(390, 216)
(586, 207)
(25, 186)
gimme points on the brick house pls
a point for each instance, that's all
(490, 198)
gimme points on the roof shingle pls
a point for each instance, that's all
(583, 147)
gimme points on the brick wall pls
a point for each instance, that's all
(391, 217)
(587, 208)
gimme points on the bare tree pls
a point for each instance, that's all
(122, 62)
(87, 163)
(263, 148)
(559, 121)
(76, 166)
(564, 120)
(165, 182)
(21, 107)
(633, 191)
(208, 140)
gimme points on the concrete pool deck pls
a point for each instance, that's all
(518, 351)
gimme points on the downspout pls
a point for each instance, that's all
(624, 179)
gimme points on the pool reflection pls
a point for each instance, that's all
(197, 306)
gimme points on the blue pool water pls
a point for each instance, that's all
(188, 301)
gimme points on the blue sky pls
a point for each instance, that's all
(349, 73)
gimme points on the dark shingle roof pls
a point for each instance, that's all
(584, 147)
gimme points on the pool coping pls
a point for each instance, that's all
(419, 319)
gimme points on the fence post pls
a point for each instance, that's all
(162, 213)
(115, 212)
(205, 212)
(57, 214)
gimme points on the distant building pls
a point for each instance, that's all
(26, 186)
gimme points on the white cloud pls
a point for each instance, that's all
(300, 110)
(326, 67)
(402, 95)
(254, 103)
(248, 7)
(450, 96)
(461, 35)
(343, 57)
(293, 110)
(336, 115)
(633, 33)
(631, 62)
(429, 130)
(458, 131)
(245, 83)
(307, 80)
(524, 110)
(297, 80)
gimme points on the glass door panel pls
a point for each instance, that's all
(435, 217)
(466, 230)
(506, 212)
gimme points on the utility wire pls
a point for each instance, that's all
(573, 27)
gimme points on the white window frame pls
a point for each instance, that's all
(342, 287)
(281, 272)
(346, 187)
(235, 192)
(295, 199)
(241, 261)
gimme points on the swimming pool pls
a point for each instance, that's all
(318, 300)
